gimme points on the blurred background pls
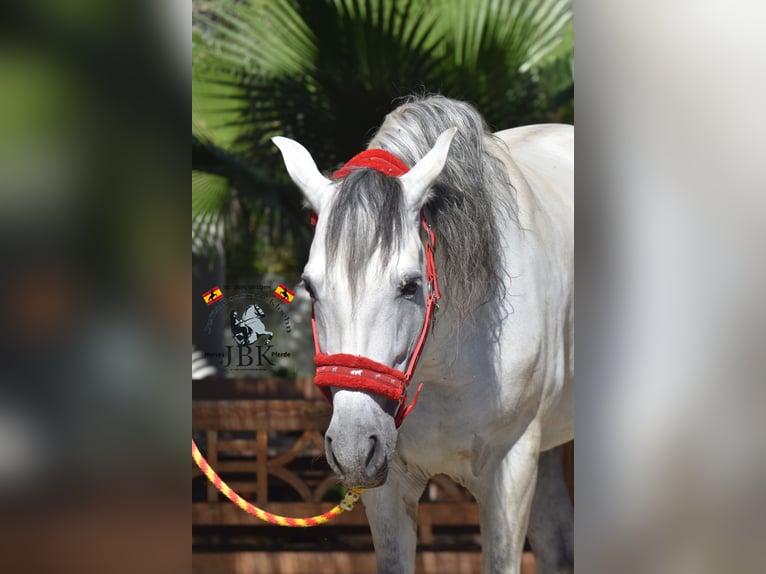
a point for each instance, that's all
(94, 391)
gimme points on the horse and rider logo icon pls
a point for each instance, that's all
(248, 329)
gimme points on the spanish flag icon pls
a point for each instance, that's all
(213, 295)
(284, 293)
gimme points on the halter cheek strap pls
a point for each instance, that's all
(353, 372)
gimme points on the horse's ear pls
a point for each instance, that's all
(419, 179)
(303, 171)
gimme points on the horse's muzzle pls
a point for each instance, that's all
(358, 465)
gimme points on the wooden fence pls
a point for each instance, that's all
(264, 437)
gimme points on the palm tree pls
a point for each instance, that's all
(325, 72)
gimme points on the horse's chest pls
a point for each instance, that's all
(458, 432)
(452, 445)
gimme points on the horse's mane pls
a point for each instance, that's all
(463, 202)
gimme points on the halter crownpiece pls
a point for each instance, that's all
(358, 373)
(378, 159)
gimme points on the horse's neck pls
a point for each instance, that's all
(455, 340)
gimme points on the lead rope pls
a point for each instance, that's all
(349, 500)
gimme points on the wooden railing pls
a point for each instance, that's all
(265, 440)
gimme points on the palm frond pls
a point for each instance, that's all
(489, 48)
(557, 67)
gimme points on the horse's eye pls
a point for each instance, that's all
(409, 288)
(309, 289)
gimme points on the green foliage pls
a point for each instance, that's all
(325, 72)
(210, 199)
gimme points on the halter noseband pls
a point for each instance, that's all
(360, 373)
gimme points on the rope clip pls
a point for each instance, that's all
(350, 499)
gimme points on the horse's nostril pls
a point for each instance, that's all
(371, 452)
(331, 456)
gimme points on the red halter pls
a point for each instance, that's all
(360, 373)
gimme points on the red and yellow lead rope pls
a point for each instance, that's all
(349, 500)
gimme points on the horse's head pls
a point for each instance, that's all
(366, 275)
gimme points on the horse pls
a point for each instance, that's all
(250, 328)
(453, 245)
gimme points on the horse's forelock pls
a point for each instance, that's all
(367, 214)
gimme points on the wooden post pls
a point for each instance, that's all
(262, 469)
